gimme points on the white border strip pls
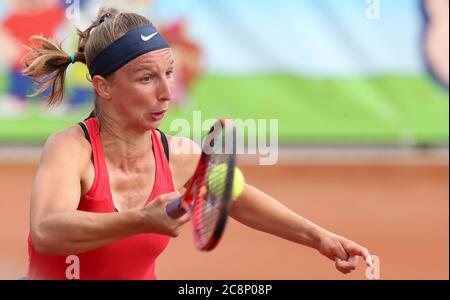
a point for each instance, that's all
(358, 156)
(300, 155)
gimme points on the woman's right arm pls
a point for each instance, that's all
(58, 228)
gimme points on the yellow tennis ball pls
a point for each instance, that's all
(238, 183)
(216, 180)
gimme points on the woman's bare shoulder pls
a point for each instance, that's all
(183, 150)
(184, 156)
(69, 144)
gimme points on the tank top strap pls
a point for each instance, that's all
(101, 180)
(163, 173)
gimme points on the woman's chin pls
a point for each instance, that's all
(153, 124)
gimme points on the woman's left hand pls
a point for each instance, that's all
(343, 252)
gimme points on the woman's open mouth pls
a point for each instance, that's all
(158, 116)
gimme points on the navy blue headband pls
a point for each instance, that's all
(133, 44)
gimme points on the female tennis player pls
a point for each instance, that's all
(102, 186)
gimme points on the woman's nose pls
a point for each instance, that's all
(165, 90)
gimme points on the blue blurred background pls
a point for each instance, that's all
(332, 72)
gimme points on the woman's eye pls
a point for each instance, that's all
(169, 73)
(147, 78)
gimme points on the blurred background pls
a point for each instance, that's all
(360, 89)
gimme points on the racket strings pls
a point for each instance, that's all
(209, 196)
(210, 191)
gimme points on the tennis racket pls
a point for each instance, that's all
(208, 194)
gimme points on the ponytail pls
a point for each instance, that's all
(47, 66)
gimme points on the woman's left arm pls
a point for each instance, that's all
(261, 212)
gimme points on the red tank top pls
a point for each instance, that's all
(131, 258)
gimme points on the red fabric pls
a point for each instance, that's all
(131, 258)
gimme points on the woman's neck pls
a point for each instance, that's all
(125, 148)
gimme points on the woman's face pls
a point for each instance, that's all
(142, 89)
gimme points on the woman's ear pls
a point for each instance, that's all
(102, 87)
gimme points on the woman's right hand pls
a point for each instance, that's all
(156, 219)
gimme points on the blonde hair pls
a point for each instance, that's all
(47, 62)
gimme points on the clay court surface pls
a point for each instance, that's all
(400, 211)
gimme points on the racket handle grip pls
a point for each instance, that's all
(174, 209)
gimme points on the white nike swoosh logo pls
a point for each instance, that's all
(148, 38)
